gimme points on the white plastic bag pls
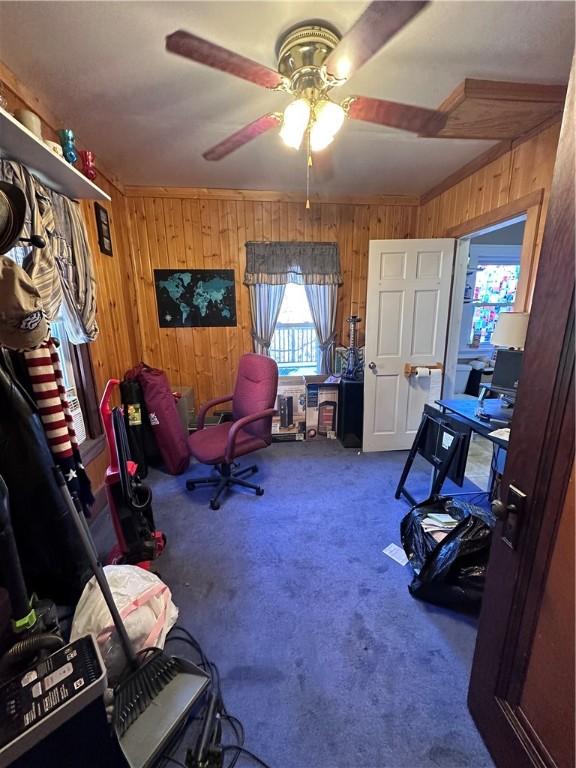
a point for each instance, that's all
(145, 605)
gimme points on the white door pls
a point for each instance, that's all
(406, 325)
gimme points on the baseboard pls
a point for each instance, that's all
(100, 502)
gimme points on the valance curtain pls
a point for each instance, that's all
(271, 266)
(63, 270)
(292, 262)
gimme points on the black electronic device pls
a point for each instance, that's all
(350, 413)
(42, 708)
(327, 417)
(286, 411)
(507, 370)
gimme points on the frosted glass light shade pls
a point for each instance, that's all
(328, 119)
(510, 330)
(296, 117)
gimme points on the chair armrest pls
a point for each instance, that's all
(229, 453)
(206, 407)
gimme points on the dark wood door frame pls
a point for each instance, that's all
(540, 460)
(531, 205)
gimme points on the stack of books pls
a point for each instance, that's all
(439, 524)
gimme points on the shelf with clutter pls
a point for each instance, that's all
(19, 143)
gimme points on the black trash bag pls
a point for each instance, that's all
(452, 572)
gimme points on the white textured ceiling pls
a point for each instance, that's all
(149, 115)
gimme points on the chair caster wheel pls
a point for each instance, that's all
(190, 485)
(254, 470)
(259, 491)
(214, 504)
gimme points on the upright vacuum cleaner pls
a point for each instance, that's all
(129, 499)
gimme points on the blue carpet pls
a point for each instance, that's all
(324, 655)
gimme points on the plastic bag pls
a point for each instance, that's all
(451, 572)
(145, 605)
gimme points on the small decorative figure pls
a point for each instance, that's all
(354, 366)
(87, 159)
(67, 141)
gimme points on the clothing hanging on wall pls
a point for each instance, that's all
(53, 562)
(62, 271)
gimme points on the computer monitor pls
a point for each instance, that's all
(507, 369)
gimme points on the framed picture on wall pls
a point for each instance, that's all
(195, 298)
(103, 225)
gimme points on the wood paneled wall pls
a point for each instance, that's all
(163, 228)
(528, 166)
(178, 230)
(117, 346)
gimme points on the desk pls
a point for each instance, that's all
(465, 407)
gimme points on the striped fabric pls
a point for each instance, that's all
(39, 263)
(63, 271)
(49, 393)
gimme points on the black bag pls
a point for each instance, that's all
(451, 572)
(143, 448)
(53, 561)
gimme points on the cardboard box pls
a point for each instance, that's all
(290, 421)
(321, 408)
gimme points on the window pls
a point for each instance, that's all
(494, 292)
(67, 364)
(295, 344)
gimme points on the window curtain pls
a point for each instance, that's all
(265, 303)
(322, 300)
(293, 262)
(271, 266)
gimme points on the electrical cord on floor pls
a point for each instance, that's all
(217, 750)
(244, 751)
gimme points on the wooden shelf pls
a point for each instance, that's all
(18, 143)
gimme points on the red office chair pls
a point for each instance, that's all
(251, 428)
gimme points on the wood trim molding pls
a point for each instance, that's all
(92, 448)
(485, 158)
(528, 260)
(467, 170)
(206, 193)
(508, 211)
(23, 92)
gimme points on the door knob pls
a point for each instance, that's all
(500, 510)
(372, 366)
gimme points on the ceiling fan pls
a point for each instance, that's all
(313, 58)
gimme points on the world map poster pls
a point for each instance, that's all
(189, 298)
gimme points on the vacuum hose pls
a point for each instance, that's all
(27, 648)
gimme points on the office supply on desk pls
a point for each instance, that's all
(503, 434)
(465, 408)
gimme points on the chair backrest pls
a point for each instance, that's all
(255, 390)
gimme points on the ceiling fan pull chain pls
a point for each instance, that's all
(308, 166)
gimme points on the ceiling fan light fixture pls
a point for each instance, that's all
(295, 122)
(328, 119)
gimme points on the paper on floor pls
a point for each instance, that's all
(396, 553)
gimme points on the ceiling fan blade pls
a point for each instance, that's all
(396, 115)
(192, 47)
(380, 21)
(243, 136)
